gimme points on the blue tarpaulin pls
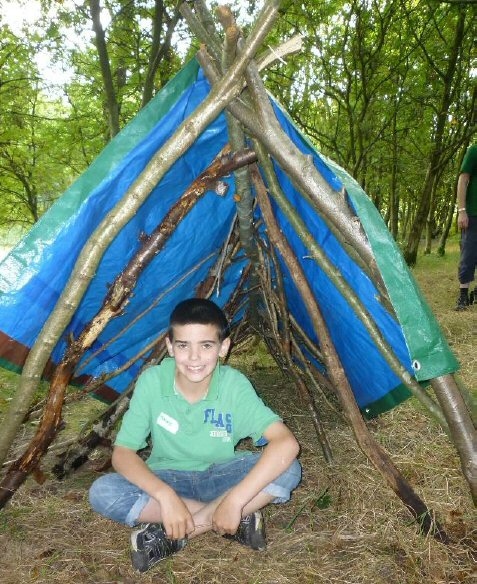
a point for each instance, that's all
(36, 271)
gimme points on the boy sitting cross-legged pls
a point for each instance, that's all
(195, 411)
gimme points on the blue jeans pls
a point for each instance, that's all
(468, 252)
(116, 498)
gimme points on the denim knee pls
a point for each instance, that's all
(282, 487)
(116, 498)
(100, 494)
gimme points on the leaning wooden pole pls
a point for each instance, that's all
(462, 429)
(243, 194)
(113, 305)
(113, 222)
(375, 453)
(284, 342)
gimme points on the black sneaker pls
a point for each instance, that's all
(149, 545)
(251, 532)
(473, 296)
(462, 302)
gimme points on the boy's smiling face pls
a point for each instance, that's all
(196, 349)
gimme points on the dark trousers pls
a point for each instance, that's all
(468, 252)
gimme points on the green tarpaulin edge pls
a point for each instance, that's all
(428, 348)
(387, 402)
(9, 366)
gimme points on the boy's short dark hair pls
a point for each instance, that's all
(199, 311)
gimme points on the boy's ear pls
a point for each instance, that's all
(170, 348)
(224, 347)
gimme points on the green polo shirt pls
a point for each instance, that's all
(192, 436)
(469, 165)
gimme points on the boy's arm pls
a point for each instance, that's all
(281, 450)
(174, 514)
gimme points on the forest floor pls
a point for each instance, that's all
(343, 524)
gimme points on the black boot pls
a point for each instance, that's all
(463, 300)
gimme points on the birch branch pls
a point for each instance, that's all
(375, 453)
(345, 289)
(221, 94)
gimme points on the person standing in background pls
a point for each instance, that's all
(467, 223)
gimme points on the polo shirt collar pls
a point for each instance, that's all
(168, 370)
(213, 392)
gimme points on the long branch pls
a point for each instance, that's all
(113, 305)
(91, 254)
(163, 293)
(461, 427)
(346, 290)
(286, 348)
(367, 443)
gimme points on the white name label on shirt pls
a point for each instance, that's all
(168, 423)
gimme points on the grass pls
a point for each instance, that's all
(343, 524)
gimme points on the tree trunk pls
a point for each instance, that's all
(412, 244)
(430, 222)
(393, 189)
(158, 50)
(112, 106)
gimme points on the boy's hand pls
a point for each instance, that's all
(176, 518)
(226, 517)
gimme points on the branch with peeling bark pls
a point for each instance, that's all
(113, 222)
(113, 305)
(283, 340)
(370, 447)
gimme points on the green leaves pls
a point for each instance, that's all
(368, 87)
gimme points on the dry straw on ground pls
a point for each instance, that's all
(342, 526)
